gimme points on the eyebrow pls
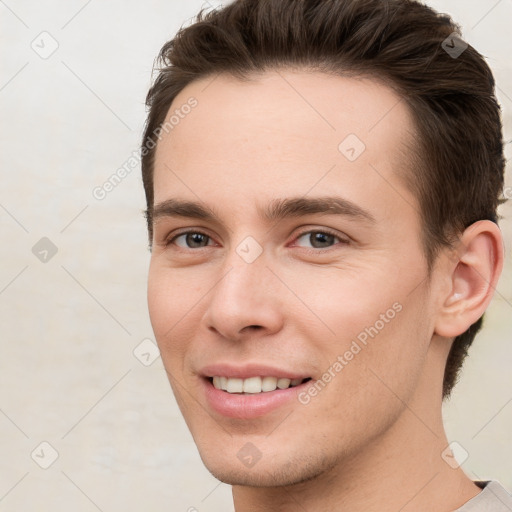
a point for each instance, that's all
(277, 209)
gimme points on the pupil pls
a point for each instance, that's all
(323, 237)
(194, 238)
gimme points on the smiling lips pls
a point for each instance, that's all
(250, 390)
(254, 385)
(262, 395)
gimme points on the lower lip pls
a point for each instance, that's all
(241, 406)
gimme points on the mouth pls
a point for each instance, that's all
(254, 385)
(244, 397)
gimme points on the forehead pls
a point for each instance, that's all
(282, 128)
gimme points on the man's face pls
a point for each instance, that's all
(291, 296)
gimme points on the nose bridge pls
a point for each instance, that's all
(245, 275)
(244, 295)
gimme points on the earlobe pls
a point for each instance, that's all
(473, 278)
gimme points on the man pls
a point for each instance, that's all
(322, 179)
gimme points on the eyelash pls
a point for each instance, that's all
(300, 235)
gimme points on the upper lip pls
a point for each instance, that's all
(249, 370)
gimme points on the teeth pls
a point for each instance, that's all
(283, 383)
(268, 383)
(254, 384)
(235, 385)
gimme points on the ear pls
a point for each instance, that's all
(473, 278)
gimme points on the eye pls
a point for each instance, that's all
(321, 239)
(191, 240)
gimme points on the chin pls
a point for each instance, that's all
(225, 466)
(262, 477)
(244, 477)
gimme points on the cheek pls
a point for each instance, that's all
(390, 358)
(343, 301)
(169, 300)
(371, 320)
(158, 301)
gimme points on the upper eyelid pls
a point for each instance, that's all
(186, 231)
(325, 231)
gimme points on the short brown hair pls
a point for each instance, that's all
(458, 163)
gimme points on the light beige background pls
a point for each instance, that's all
(68, 374)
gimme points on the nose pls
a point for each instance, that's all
(246, 299)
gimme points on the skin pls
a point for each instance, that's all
(372, 437)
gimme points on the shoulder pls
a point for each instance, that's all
(493, 498)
